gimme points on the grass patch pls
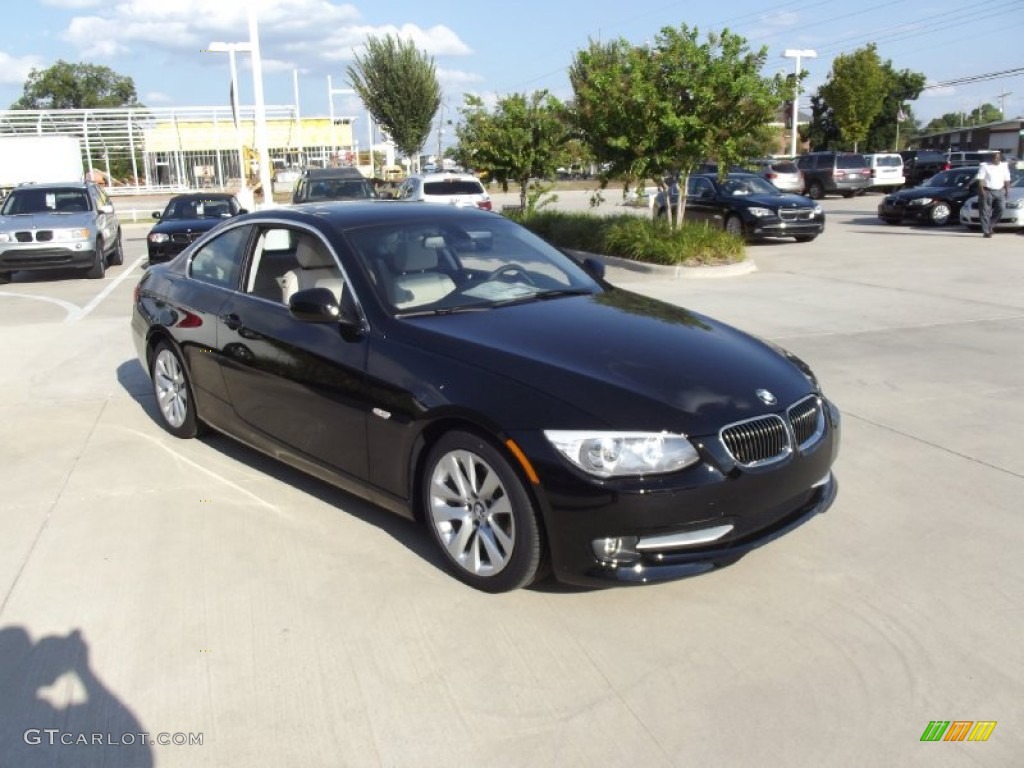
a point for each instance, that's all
(636, 238)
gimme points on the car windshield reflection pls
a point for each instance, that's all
(746, 186)
(420, 269)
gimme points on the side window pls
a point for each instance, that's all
(699, 187)
(272, 259)
(219, 262)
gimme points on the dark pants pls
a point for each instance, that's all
(992, 203)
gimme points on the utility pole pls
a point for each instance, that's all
(1002, 102)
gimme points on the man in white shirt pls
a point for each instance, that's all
(995, 183)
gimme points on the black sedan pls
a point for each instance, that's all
(746, 205)
(452, 367)
(937, 201)
(185, 218)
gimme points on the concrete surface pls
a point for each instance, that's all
(150, 585)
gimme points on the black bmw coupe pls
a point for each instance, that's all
(450, 366)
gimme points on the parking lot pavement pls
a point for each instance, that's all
(216, 592)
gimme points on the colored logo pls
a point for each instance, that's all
(958, 730)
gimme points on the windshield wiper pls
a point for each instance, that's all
(445, 310)
(554, 293)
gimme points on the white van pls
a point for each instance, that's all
(886, 170)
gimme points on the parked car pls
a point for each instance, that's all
(886, 170)
(922, 164)
(971, 158)
(937, 201)
(320, 185)
(509, 397)
(1013, 211)
(783, 174)
(59, 226)
(459, 189)
(837, 173)
(185, 218)
(746, 205)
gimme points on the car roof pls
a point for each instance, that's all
(443, 175)
(203, 196)
(54, 185)
(345, 172)
(354, 214)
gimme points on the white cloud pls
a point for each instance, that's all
(781, 19)
(456, 77)
(14, 69)
(156, 97)
(74, 4)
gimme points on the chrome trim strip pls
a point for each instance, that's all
(684, 539)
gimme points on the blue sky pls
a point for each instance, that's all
(490, 48)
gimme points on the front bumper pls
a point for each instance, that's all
(682, 524)
(1012, 218)
(15, 258)
(770, 226)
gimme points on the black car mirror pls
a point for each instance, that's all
(242, 210)
(320, 305)
(156, 214)
(594, 267)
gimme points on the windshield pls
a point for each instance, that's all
(340, 189)
(419, 268)
(747, 185)
(950, 179)
(26, 201)
(198, 208)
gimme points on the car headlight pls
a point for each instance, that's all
(760, 213)
(620, 454)
(1014, 203)
(7, 237)
(920, 201)
(63, 235)
(158, 237)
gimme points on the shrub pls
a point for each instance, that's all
(635, 237)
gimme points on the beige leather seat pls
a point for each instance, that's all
(317, 269)
(416, 280)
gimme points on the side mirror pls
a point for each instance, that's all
(319, 305)
(594, 266)
(108, 208)
(242, 210)
(156, 214)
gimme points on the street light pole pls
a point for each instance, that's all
(244, 195)
(261, 112)
(797, 53)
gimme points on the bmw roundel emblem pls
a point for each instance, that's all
(766, 397)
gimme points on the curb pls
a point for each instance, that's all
(629, 269)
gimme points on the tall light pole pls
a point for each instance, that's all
(244, 194)
(260, 116)
(797, 53)
(331, 92)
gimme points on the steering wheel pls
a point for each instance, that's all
(509, 269)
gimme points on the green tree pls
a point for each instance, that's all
(986, 113)
(667, 106)
(524, 138)
(77, 86)
(854, 92)
(398, 84)
(900, 87)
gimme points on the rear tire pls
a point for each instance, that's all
(5, 277)
(815, 191)
(99, 263)
(480, 514)
(804, 238)
(173, 390)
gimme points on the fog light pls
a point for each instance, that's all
(616, 550)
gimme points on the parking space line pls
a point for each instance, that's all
(67, 306)
(78, 314)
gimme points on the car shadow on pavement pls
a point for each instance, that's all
(410, 534)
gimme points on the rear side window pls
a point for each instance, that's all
(784, 167)
(851, 161)
(453, 187)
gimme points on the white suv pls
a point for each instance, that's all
(463, 189)
(886, 170)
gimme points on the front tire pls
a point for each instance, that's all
(117, 257)
(939, 214)
(173, 391)
(5, 278)
(733, 225)
(99, 263)
(480, 515)
(815, 191)
(804, 238)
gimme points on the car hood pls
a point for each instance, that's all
(629, 361)
(775, 201)
(186, 225)
(48, 220)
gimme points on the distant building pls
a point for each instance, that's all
(1004, 135)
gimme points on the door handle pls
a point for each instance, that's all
(232, 321)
